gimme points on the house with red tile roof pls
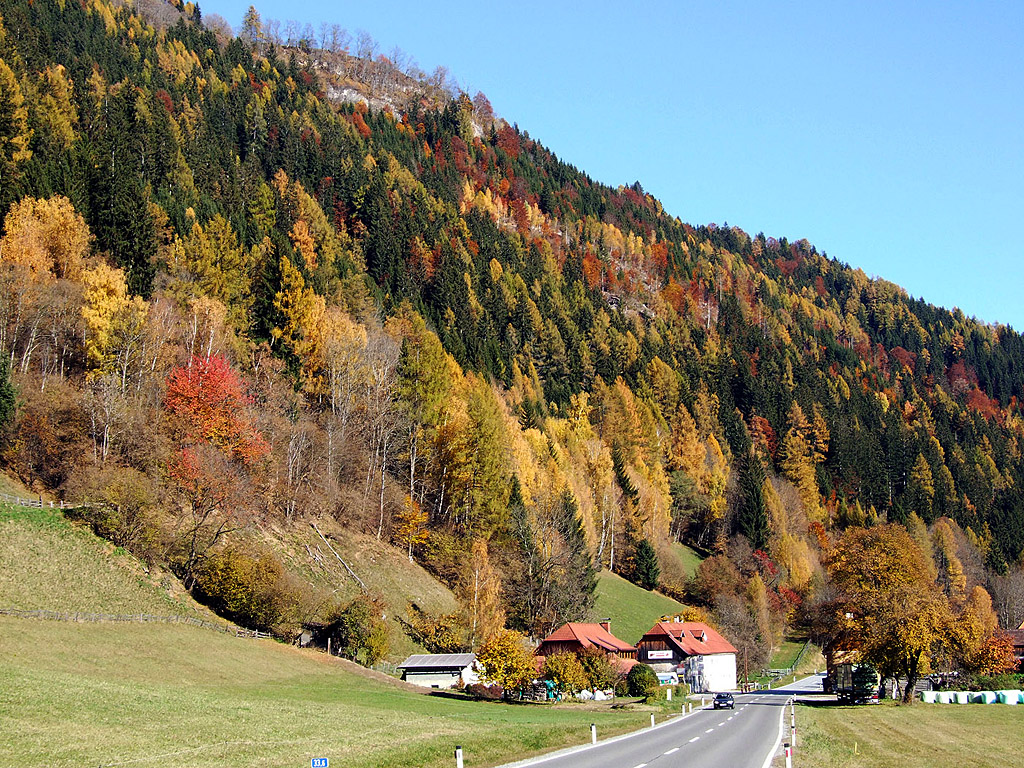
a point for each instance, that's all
(692, 649)
(1017, 636)
(575, 636)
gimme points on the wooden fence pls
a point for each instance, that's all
(133, 618)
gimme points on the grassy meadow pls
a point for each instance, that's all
(144, 694)
(48, 563)
(917, 736)
(99, 694)
(633, 610)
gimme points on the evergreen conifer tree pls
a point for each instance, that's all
(648, 572)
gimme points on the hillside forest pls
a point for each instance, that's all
(253, 282)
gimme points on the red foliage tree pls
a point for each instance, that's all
(210, 400)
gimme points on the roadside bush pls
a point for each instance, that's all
(642, 681)
(566, 672)
(600, 671)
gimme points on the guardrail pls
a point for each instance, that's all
(145, 618)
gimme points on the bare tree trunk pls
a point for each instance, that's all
(383, 468)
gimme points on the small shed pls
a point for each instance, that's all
(440, 670)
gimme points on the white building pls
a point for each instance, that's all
(701, 656)
(440, 670)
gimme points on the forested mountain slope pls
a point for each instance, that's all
(230, 302)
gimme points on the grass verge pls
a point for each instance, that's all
(917, 736)
(148, 695)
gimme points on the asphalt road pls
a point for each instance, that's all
(746, 737)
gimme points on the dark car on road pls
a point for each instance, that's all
(724, 700)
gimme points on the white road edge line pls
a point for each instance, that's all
(540, 759)
(778, 740)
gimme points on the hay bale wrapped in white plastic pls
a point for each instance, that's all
(988, 697)
(1008, 697)
(928, 697)
(963, 697)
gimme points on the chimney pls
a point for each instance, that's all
(606, 624)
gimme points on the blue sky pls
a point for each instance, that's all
(888, 134)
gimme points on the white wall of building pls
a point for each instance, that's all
(437, 679)
(720, 671)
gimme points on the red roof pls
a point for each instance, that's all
(588, 635)
(693, 638)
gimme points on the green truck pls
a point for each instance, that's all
(855, 683)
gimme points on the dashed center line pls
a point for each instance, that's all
(673, 750)
(695, 738)
(730, 718)
(709, 730)
(642, 765)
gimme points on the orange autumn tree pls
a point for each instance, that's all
(887, 602)
(209, 399)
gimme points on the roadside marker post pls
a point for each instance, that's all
(593, 733)
(789, 756)
(652, 719)
(668, 692)
(792, 722)
(458, 757)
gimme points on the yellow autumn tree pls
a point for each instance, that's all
(14, 131)
(209, 261)
(506, 660)
(47, 237)
(108, 310)
(411, 525)
(798, 458)
(302, 332)
(950, 569)
(480, 595)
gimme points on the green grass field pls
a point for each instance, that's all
(917, 736)
(688, 559)
(156, 695)
(786, 654)
(632, 610)
(48, 563)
